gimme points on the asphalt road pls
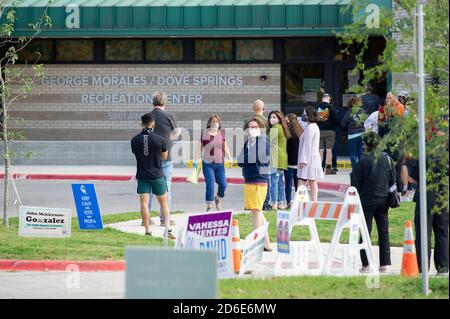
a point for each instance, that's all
(120, 197)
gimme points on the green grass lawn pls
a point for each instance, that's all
(397, 219)
(390, 287)
(106, 244)
(109, 244)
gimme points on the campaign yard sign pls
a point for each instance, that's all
(88, 211)
(283, 232)
(44, 222)
(211, 231)
(253, 248)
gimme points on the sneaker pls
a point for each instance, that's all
(443, 271)
(274, 207)
(266, 207)
(282, 206)
(148, 233)
(171, 236)
(364, 269)
(335, 169)
(172, 223)
(383, 269)
(329, 170)
(217, 202)
(268, 249)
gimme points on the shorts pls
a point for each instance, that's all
(327, 139)
(254, 196)
(156, 186)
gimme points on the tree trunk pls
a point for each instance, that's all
(7, 161)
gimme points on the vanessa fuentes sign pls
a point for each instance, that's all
(44, 222)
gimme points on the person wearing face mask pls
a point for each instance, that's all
(212, 149)
(278, 135)
(254, 160)
(309, 160)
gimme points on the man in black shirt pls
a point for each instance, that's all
(370, 101)
(373, 175)
(150, 149)
(327, 125)
(436, 222)
(166, 127)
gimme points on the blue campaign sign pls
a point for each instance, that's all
(87, 206)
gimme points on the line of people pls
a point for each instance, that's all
(289, 148)
(380, 173)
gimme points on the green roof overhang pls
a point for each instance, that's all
(187, 18)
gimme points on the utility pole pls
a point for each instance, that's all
(422, 151)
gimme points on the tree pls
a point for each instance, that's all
(15, 83)
(397, 26)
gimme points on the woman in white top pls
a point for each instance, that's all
(309, 160)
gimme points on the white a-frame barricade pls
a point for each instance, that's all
(348, 214)
(299, 251)
(351, 216)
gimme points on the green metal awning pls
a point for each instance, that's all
(187, 18)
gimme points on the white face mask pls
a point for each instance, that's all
(254, 132)
(273, 121)
(215, 126)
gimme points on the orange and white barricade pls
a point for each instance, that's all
(348, 214)
(300, 250)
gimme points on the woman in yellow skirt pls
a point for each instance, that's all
(254, 160)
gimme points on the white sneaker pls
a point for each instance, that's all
(383, 269)
(364, 270)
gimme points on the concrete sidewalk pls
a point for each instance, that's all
(266, 267)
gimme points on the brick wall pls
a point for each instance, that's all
(105, 102)
(404, 51)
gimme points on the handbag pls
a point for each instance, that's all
(394, 199)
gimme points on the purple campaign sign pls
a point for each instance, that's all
(211, 224)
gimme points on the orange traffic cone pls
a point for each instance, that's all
(237, 252)
(409, 260)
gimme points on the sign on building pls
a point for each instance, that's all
(44, 222)
(88, 211)
(214, 230)
(156, 273)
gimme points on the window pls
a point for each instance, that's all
(213, 50)
(304, 83)
(123, 50)
(164, 50)
(37, 50)
(305, 49)
(74, 50)
(254, 50)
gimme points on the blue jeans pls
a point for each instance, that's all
(167, 168)
(290, 175)
(277, 194)
(214, 172)
(355, 148)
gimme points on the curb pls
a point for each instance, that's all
(61, 265)
(336, 187)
